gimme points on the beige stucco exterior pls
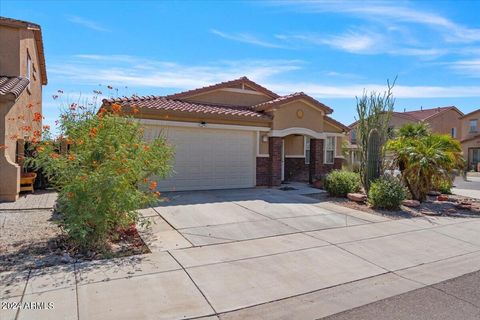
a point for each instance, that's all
(287, 116)
(444, 122)
(16, 115)
(230, 96)
(470, 140)
(465, 124)
(294, 146)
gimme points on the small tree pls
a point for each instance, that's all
(374, 112)
(424, 158)
(101, 167)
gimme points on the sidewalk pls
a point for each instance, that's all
(302, 275)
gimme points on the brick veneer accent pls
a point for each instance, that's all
(263, 171)
(317, 167)
(316, 159)
(296, 169)
(275, 152)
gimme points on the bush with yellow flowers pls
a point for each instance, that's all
(102, 168)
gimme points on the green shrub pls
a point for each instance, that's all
(103, 178)
(340, 182)
(386, 193)
(443, 186)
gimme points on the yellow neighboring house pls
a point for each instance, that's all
(471, 139)
(22, 75)
(442, 120)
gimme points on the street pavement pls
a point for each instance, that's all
(457, 298)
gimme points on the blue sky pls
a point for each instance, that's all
(330, 50)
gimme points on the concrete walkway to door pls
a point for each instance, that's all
(255, 254)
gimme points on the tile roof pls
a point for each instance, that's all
(470, 113)
(337, 123)
(424, 114)
(292, 97)
(221, 85)
(471, 138)
(163, 103)
(420, 115)
(12, 85)
(37, 32)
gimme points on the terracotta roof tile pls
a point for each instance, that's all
(163, 103)
(291, 97)
(12, 85)
(424, 114)
(220, 85)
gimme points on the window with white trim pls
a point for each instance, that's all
(307, 150)
(473, 125)
(453, 132)
(329, 150)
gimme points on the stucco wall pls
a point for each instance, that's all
(9, 51)
(286, 117)
(16, 116)
(223, 97)
(294, 145)
(22, 114)
(444, 123)
(465, 124)
(328, 127)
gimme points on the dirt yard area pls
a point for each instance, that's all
(33, 239)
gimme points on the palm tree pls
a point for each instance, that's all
(424, 157)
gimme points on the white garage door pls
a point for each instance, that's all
(208, 158)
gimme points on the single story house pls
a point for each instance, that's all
(239, 134)
(471, 139)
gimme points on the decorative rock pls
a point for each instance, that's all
(464, 206)
(434, 193)
(357, 197)
(442, 198)
(411, 203)
(430, 213)
(66, 258)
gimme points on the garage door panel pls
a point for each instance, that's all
(208, 158)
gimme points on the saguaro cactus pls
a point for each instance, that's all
(373, 157)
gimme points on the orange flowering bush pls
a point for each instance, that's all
(102, 168)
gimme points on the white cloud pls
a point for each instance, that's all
(355, 42)
(142, 73)
(245, 38)
(87, 23)
(349, 91)
(470, 68)
(388, 13)
(120, 70)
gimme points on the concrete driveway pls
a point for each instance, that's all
(469, 187)
(255, 254)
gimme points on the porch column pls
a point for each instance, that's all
(275, 151)
(316, 159)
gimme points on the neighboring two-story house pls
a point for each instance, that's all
(442, 120)
(470, 133)
(22, 75)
